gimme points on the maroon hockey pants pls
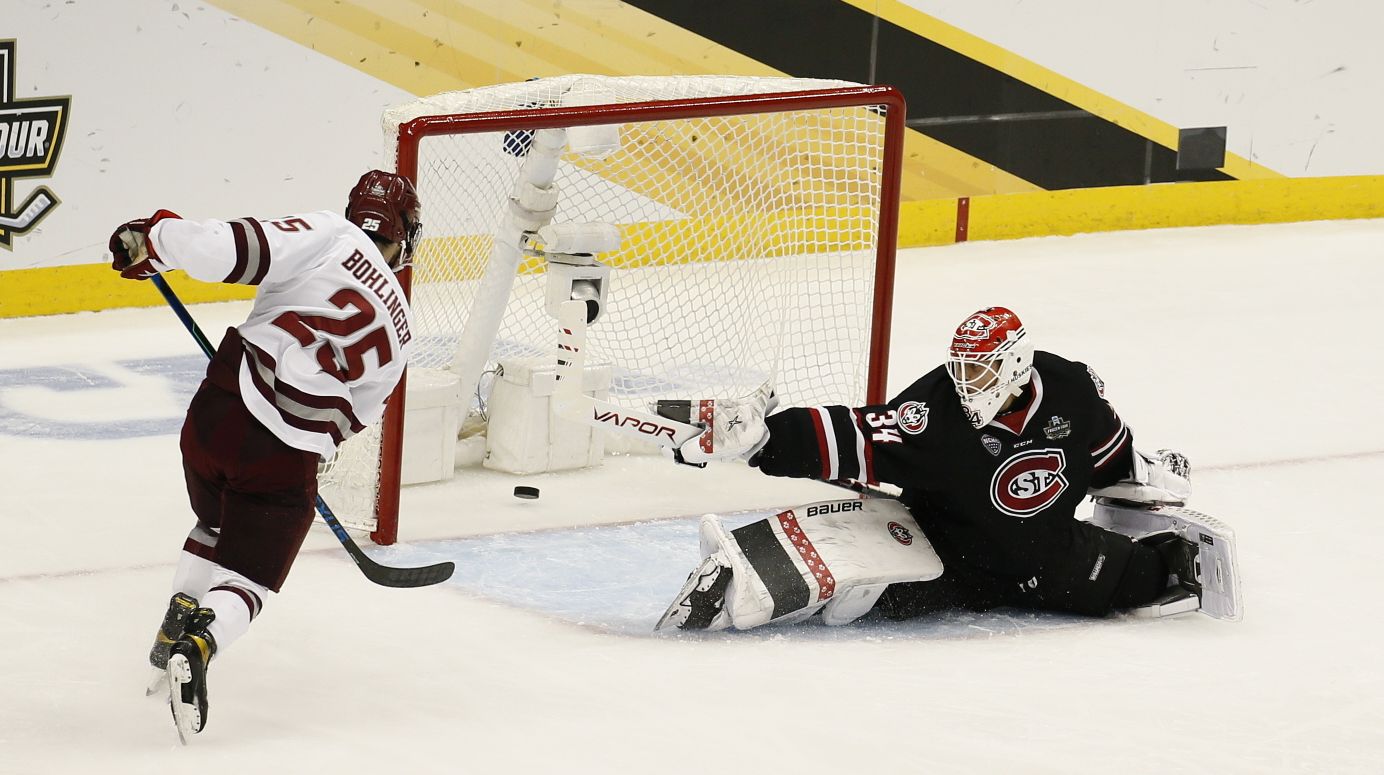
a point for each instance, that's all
(246, 484)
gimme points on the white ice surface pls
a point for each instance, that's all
(1253, 349)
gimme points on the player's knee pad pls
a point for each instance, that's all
(835, 557)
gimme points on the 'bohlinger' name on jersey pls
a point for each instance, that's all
(371, 277)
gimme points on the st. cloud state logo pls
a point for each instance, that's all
(1029, 482)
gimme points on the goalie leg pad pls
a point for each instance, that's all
(836, 557)
(1218, 570)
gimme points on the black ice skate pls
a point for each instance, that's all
(698, 605)
(187, 674)
(180, 607)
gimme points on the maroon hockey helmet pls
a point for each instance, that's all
(385, 205)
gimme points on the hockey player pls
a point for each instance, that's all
(324, 346)
(993, 452)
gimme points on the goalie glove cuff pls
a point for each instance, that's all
(734, 428)
(1161, 478)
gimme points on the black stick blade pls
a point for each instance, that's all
(425, 576)
(390, 576)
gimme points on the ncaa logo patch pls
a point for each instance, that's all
(900, 533)
(1029, 482)
(991, 444)
(913, 417)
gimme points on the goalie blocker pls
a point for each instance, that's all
(833, 557)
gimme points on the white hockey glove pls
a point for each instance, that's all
(1164, 478)
(735, 427)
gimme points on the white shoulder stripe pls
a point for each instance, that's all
(1116, 444)
(833, 455)
(1114, 438)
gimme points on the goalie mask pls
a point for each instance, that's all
(990, 360)
(385, 205)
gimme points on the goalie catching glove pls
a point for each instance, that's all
(1163, 478)
(131, 254)
(733, 427)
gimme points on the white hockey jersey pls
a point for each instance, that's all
(328, 338)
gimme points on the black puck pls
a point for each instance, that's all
(525, 492)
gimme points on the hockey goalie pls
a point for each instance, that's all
(993, 451)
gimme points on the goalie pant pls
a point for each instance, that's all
(998, 503)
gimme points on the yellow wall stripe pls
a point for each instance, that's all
(58, 289)
(28, 292)
(1118, 208)
(460, 45)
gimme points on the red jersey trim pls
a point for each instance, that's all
(1015, 420)
(821, 423)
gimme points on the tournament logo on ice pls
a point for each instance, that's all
(31, 135)
(913, 417)
(1029, 482)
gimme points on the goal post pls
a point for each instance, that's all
(758, 221)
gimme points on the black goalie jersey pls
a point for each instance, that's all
(1001, 498)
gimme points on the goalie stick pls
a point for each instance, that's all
(668, 432)
(384, 575)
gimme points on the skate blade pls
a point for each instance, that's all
(186, 718)
(672, 618)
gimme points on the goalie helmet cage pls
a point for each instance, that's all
(759, 220)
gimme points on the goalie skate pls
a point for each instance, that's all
(700, 604)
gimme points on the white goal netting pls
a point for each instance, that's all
(749, 243)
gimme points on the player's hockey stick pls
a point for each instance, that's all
(384, 575)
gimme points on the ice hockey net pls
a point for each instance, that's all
(759, 218)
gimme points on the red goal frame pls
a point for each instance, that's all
(413, 132)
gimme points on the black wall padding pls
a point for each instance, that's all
(831, 39)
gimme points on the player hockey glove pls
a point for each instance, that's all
(131, 254)
(735, 427)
